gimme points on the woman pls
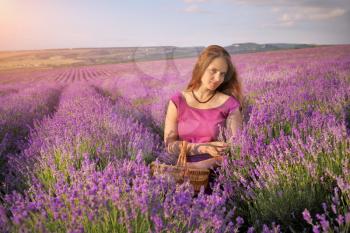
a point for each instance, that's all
(211, 99)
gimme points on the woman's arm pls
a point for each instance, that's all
(170, 129)
(174, 147)
(234, 122)
(172, 144)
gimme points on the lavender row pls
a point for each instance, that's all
(18, 113)
(122, 198)
(18, 110)
(84, 123)
(291, 175)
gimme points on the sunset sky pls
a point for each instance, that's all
(44, 24)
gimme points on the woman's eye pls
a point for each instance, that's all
(213, 71)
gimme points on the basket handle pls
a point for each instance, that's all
(182, 160)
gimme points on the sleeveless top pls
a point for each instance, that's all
(201, 125)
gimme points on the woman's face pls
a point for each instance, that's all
(215, 73)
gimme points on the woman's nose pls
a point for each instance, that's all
(217, 76)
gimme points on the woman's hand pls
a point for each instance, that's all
(215, 149)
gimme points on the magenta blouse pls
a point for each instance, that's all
(201, 125)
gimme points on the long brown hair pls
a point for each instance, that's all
(231, 85)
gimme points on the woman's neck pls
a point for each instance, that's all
(203, 93)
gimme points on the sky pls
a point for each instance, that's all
(49, 24)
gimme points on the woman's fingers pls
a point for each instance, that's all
(218, 143)
(216, 148)
(220, 147)
(221, 144)
(214, 152)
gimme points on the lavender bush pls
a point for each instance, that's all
(18, 113)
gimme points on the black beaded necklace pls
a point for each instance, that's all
(202, 102)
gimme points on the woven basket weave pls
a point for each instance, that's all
(181, 172)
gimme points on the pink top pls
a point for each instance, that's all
(201, 125)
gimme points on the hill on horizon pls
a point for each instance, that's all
(51, 58)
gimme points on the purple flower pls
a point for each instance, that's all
(316, 229)
(239, 221)
(307, 216)
(334, 208)
(266, 229)
(324, 206)
(158, 223)
(340, 219)
(324, 225)
(347, 217)
(250, 230)
(3, 219)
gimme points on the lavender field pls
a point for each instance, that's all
(76, 144)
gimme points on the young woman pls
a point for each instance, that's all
(212, 99)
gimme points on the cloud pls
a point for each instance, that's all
(289, 13)
(194, 9)
(288, 3)
(275, 9)
(291, 16)
(321, 14)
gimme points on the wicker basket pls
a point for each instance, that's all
(180, 172)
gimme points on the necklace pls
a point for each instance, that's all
(202, 102)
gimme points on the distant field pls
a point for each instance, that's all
(52, 58)
(81, 57)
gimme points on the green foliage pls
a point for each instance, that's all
(284, 199)
(109, 220)
(293, 185)
(34, 218)
(274, 130)
(46, 178)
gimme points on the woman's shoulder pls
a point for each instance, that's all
(175, 95)
(232, 103)
(176, 98)
(223, 95)
(229, 98)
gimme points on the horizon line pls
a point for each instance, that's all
(157, 46)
